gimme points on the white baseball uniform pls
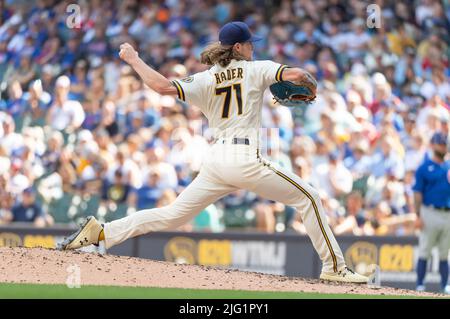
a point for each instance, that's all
(231, 100)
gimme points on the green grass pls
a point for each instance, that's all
(24, 291)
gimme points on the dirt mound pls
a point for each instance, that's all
(39, 265)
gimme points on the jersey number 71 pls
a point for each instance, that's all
(227, 100)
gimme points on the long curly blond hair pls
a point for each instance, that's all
(217, 53)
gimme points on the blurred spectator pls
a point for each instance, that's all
(14, 106)
(10, 141)
(167, 197)
(353, 223)
(28, 210)
(96, 44)
(356, 42)
(208, 220)
(79, 82)
(333, 177)
(93, 115)
(147, 196)
(116, 190)
(89, 166)
(64, 114)
(430, 115)
(266, 216)
(48, 78)
(36, 103)
(303, 168)
(155, 161)
(53, 152)
(6, 197)
(383, 223)
(70, 53)
(238, 212)
(386, 159)
(415, 152)
(49, 51)
(66, 170)
(145, 111)
(23, 73)
(108, 120)
(125, 168)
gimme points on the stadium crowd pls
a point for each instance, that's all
(80, 134)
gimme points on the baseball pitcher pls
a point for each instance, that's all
(230, 95)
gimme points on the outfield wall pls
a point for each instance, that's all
(285, 254)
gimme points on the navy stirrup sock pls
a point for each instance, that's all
(443, 270)
(421, 271)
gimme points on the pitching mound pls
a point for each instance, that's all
(46, 266)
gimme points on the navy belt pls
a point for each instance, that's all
(238, 140)
(235, 140)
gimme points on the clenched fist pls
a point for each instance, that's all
(127, 53)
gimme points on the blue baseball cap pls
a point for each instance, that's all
(29, 191)
(236, 32)
(333, 155)
(439, 138)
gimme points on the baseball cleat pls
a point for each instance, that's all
(420, 288)
(345, 275)
(446, 290)
(87, 235)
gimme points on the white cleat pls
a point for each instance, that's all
(345, 275)
(87, 235)
(420, 288)
(446, 290)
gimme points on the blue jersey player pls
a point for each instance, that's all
(432, 203)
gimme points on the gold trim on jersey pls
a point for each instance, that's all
(316, 211)
(280, 72)
(180, 91)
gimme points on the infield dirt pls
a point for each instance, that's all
(47, 266)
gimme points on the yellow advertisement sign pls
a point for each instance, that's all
(10, 240)
(214, 252)
(182, 250)
(391, 258)
(249, 255)
(14, 240)
(397, 258)
(46, 241)
(361, 255)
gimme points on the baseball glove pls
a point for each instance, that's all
(292, 94)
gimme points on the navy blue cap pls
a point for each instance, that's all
(439, 138)
(150, 144)
(29, 190)
(236, 32)
(334, 155)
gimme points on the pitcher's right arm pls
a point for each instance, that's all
(155, 80)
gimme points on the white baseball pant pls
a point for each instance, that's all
(435, 233)
(227, 168)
